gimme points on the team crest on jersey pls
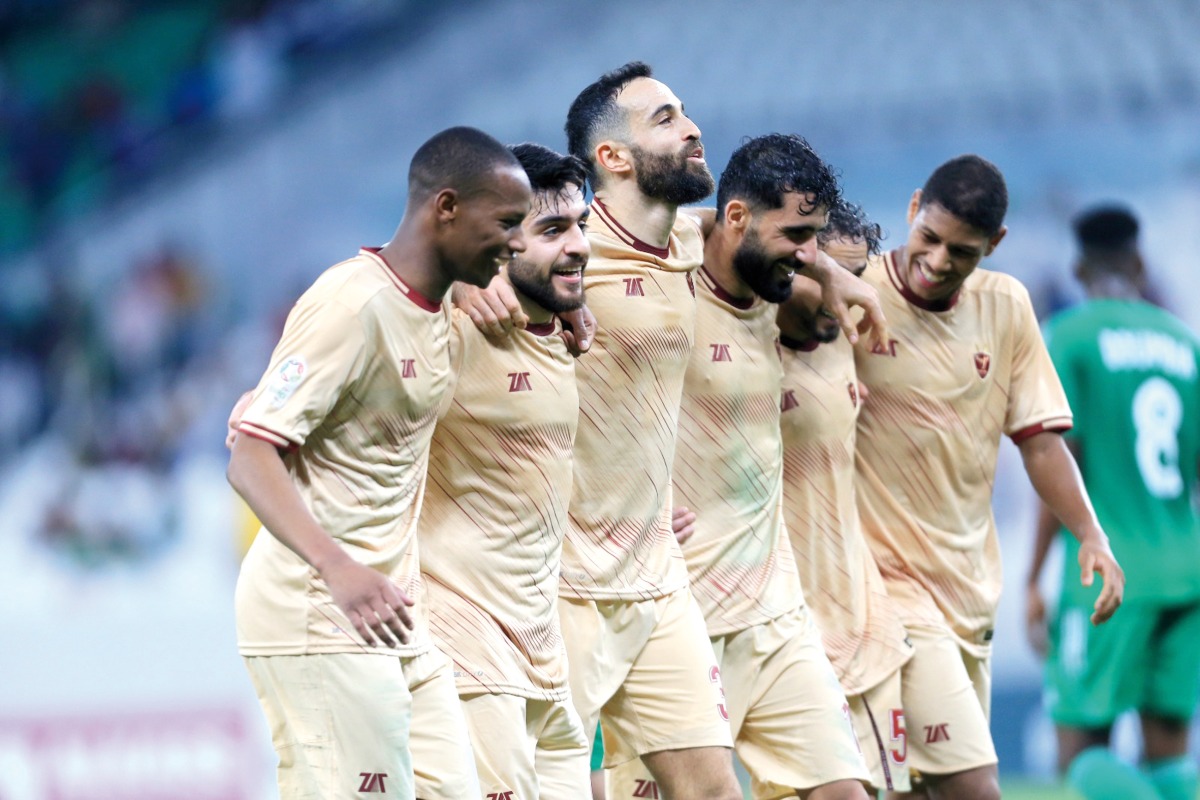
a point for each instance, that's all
(983, 363)
(286, 380)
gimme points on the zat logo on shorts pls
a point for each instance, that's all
(937, 733)
(500, 795)
(372, 782)
(286, 380)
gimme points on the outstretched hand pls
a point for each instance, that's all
(1096, 558)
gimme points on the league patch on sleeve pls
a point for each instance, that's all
(286, 380)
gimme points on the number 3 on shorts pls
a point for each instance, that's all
(714, 675)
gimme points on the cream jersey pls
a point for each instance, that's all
(729, 465)
(495, 511)
(942, 392)
(860, 623)
(619, 542)
(351, 394)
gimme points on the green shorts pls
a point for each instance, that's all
(1146, 657)
(598, 751)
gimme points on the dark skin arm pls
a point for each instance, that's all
(1035, 604)
(1055, 476)
(375, 606)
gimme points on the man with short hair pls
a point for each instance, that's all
(639, 653)
(784, 704)
(495, 512)
(332, 458)
(964, 364)
(1129, 369)
(860, 624)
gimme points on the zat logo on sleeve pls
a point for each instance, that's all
(286, 380)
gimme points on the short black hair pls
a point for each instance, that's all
(972, 189)
(849, 221)
(764, 169)
(550, 172)
(459, 158)
(594, 112)
(1107, 228)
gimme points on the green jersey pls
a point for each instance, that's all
(1130, 373)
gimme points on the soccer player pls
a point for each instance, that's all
(860, 623)
(964, 365)
(495, 512)
(1129, 370)
(332, 457)
(639, 654)
(783, 701)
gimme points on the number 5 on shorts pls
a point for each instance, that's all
(899, 734)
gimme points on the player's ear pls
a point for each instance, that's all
(613, 157)
(914, 205)
(736, 215)
(445, 205)
(995, 240)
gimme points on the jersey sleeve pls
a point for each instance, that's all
(319, 356)
(1036, 399)
(460, 340)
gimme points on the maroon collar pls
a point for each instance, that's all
(624, 234)
(409, 292)
(541, 328)
(737, 302)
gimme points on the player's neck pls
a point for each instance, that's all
(1112, 287)
(645, 218)
(413, 259)
(792, 339)
(719, 248)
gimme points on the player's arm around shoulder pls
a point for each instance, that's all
(840, 291)
(496, 311)
(1055, 476)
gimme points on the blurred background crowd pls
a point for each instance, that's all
(172, 174)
